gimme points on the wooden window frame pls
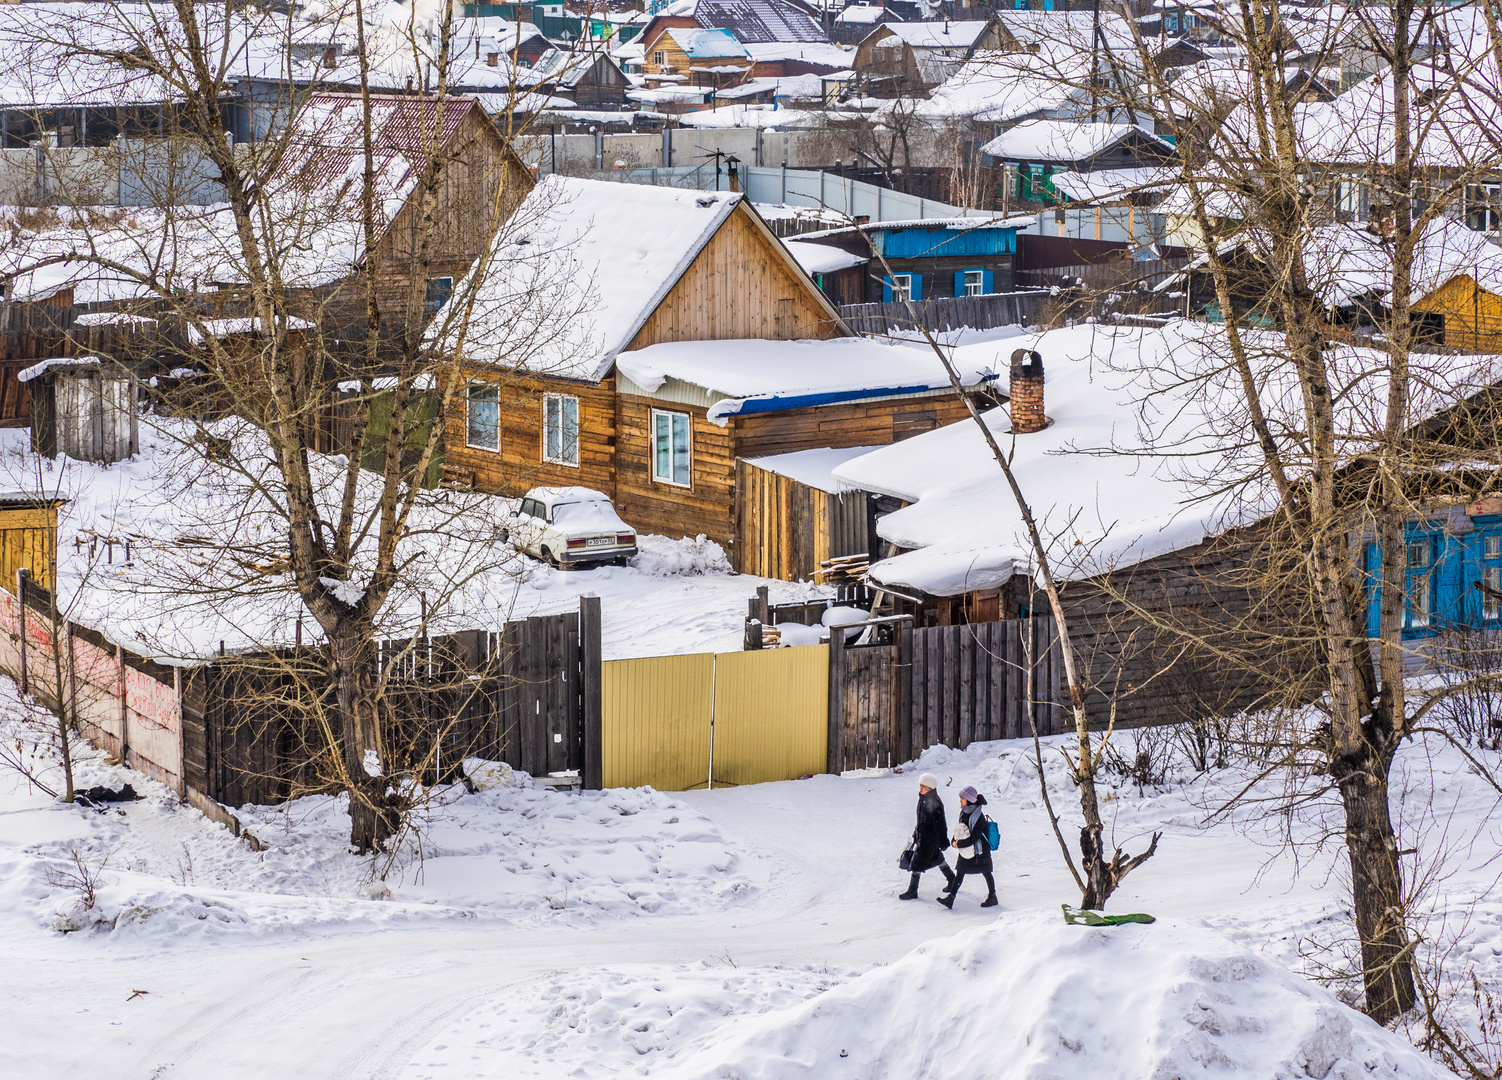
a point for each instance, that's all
(561, 459)
(469, 390)
(431, 306)
(652, 448)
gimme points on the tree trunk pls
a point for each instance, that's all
(1376, 886)
(371, 815)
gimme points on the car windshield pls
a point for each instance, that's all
(595, 514)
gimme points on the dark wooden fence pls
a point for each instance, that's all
(955, 685)
(528, 696)
(1121, 273)
(950, 313)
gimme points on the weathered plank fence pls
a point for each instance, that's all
(950, 313)
(953, 685)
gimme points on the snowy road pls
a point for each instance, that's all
(369, 1002)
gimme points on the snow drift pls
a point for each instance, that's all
(1033, 998)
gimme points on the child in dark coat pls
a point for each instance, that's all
(930, 837)
(975, 853)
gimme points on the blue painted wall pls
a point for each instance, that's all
(918, 243)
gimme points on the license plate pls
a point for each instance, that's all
(600, 541)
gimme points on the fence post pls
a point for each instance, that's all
(836, 750)
(904, 690)
(589, 660)
(21, 609)
(124, 707)
(753, 624)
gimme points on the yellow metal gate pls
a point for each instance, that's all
(769, 710)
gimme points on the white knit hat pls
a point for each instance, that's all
(929, 780)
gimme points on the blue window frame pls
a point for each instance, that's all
(975, 282)
(1452, 578)
(899, 285)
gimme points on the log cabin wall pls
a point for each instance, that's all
(518, 465)
(706, 506)
(480, 167)
(739, 286)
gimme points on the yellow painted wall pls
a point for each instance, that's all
(28, 538)
(771, 711)
(1473, 316)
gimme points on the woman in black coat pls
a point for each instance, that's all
(975, 852)
(930, 837)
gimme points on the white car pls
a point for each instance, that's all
(569, 526)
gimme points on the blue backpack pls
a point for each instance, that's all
(993, 835)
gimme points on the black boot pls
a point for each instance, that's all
(911, 894)
(989, 901)
(947, 900)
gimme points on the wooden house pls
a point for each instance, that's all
(928, 259)
(679, 356)
(1034, 146)
(1128, 542)
(1464, 314)
(912, 58)
(478, 166)
(711, 58)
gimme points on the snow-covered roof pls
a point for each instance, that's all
(822, 258)
(767, 376)
(861, 14)
(1101, 184)
(1346, 262)
(1064, 140)
(997, 88)
(938, 34)
(701, 44)
(595, 255)
(249, 325)
(812, 468)
(61, 53)
(801, 86)
(1142, 457)
(822, 53)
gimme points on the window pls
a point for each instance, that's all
(975, 282)
(902, 287)
(439, 291)
(560, 430)
(1483, 209)
(659, 58)
(1352, 201)
(1420, 583)
(670, 448)
(482, 416)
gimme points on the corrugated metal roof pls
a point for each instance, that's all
(759, 21)
(329, 140)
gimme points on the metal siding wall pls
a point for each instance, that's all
(655, 720)
(771, 714)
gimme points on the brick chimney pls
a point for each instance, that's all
(1027, 393)
(493, 59)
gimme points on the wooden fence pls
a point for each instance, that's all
(953, 685)
(786, 529)
(950, 313)
(528, 696)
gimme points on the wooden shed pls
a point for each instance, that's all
(28, 538)
(83, 407)
(791, 518)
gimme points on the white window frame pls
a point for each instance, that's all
(468, 424)
(563, 456)
(1419, 609)
(979, 282)
(902, 287)
(428, 306)
(659, 58)
(669, 416)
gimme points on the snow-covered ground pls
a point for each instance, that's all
(677, 596)
(744, 932)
